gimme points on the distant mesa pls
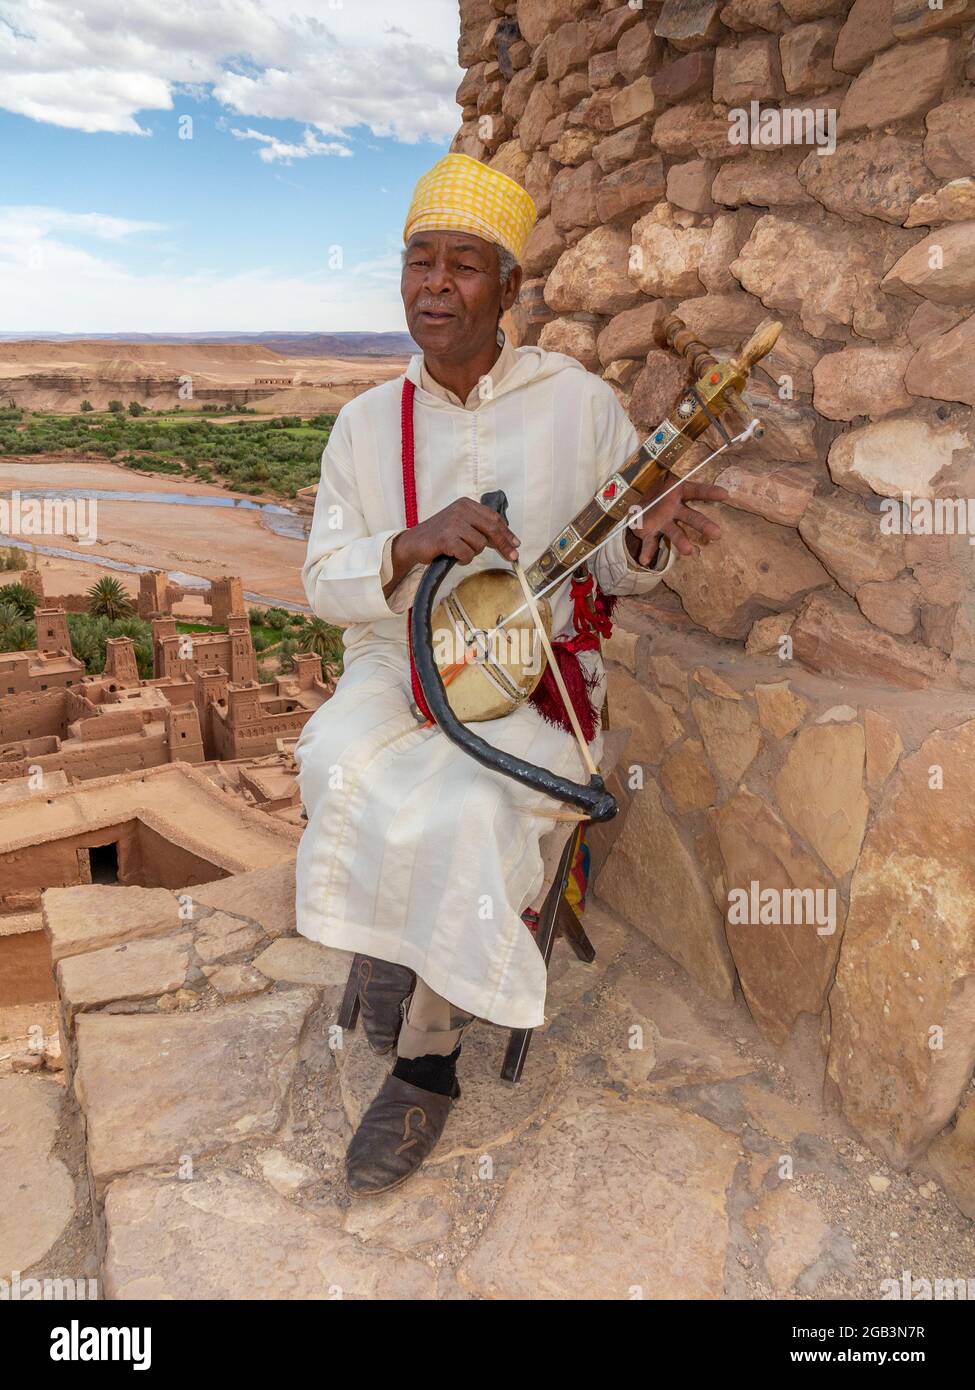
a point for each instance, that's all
(288, 344)
(300, 374)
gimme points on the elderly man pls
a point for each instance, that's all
(414, 857)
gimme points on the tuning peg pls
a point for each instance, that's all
(678, 336)
(759, 345)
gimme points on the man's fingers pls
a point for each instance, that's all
(649, 550)
(677, 538)
(462, 551)
(479, 514)
(705, 492)
(490, 524)
(474, 537)
(497, 532)
(700, 522)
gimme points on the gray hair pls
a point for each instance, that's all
(506, 264)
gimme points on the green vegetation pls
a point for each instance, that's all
(18, 596)
(325, 641)
(282, 633)
(278, 618)
(90, 633)
(12, 558)
(108, 598)
(270, 456)
(16, 632)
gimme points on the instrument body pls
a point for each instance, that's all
(592, 798)
(488, 671)
(500, 666)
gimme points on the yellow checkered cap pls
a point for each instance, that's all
(462, 194)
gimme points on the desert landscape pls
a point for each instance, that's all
(153, 520)
(58, 375)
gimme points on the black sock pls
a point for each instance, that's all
(431, 1073)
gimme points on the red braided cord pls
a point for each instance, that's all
(412, 517)
(409, 474)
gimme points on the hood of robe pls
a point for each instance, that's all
(532, 364)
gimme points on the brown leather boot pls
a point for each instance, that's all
(383, 988)
(395, 1135)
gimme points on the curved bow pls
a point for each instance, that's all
(591, 797)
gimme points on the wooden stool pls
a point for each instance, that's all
(557, 916)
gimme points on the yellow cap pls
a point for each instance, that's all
(463, 195)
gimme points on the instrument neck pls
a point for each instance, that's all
(626, 489)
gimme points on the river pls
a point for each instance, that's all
(277, 518)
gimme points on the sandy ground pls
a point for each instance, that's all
(200, 541)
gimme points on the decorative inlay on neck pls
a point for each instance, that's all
(715, 390)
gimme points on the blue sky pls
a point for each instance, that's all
(308, 124)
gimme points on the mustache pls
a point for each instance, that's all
(437, 306)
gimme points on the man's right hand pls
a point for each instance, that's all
(463, 530)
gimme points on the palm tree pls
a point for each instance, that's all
(20, 636)
(322, 639)
(9, 614)
(87, 642)
(108, 599)
(18, 596)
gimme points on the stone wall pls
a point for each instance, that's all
(800, 695)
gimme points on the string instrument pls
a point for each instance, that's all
(475, 653)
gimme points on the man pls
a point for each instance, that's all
(414, 857)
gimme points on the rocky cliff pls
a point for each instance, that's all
(801, 695)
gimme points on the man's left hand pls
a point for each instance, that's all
(662, 518)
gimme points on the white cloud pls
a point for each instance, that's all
(97, 65)
(275, 149)
(47, 284)
(26, 223)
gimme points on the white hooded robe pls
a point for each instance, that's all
(413, 852)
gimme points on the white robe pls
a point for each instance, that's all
(413, 852)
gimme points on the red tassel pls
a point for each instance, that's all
(592, 613)
(409, 506)
(547, 698)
